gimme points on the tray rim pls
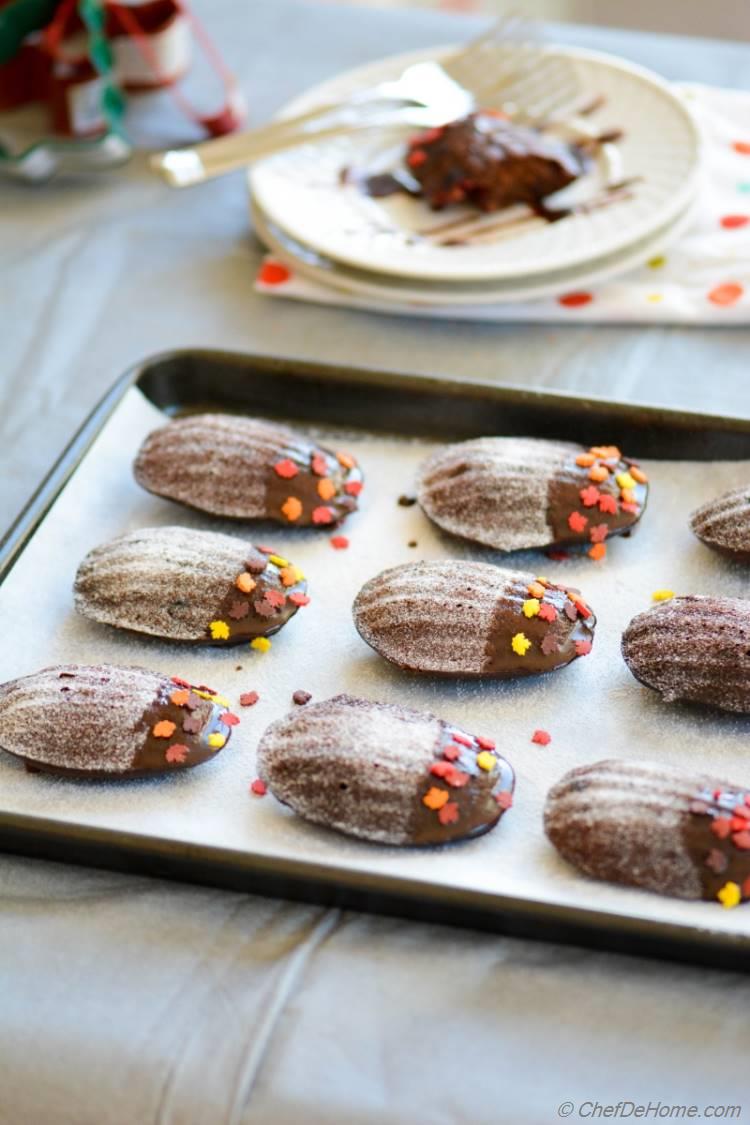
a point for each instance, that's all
(249, 872)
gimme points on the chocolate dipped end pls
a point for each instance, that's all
(647, 826)
(264, 596)
(309, 486)
(466, 791)
(594, 496)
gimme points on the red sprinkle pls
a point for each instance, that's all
(258, 787)
(583, 648)
(599, 533)
(457, 778)
(741, 840)
(504, 799)
(286, 468)
(353, 487)
(416, 158)
(575, 300)
(589, 496)
(449, 813)
(275, 598)
(631, 508)
(229, 718)
(266, 550)
(322, 515)
(462, 740)
(177, 752)
(577, 522)
(180, 682)
(451, 753)
(547, 612)
(319, 465)
(541, 737)
(299, 599)
(608, 504)
(339, 542)
(441, 769)
(721, 827)
(249, 698)
(485, 743)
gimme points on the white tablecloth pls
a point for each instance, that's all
(127, 1000)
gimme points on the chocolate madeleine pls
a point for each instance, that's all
(385, 773)
(110, 722)
(245, 468)
(724, 524)
(513, 493)
(649, 826)
(472, 619)
(693, 648)
(184, 585)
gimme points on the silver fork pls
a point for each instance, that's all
(497, 69)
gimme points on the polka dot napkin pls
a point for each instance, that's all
(703, 278)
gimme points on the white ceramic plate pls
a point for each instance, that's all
(382, 287)
(302, 192)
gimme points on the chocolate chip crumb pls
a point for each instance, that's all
(406, 501)
(412, 543)
(302, 697)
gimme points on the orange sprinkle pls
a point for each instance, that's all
(598, 551)
(585, 460)
(435, 798)
(326, 489)
(289, 576)
(164, 729)
(627, 495)
(608, 452)
(346, 460)
(598, 473)
(245, 583)
(638, 474)
(179, 698)
(536, 589)
(292, 508)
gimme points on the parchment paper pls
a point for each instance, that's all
(593, 709)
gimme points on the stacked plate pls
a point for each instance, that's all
(635, 198)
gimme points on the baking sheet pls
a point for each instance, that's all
(593, 709)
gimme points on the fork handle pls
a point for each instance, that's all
(197, 163)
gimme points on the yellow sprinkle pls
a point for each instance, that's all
(520, 643)
(657, 262)
(260, 644)
(624, 480)
(216, 741)
(544, 581)
(730, 895)
(662, 595)
(486, 761)
(531, 607)
(277, 560)
(219, 630)
(220, 700)
(202, 694)
(654, 298)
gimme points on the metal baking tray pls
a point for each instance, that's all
(254, 845)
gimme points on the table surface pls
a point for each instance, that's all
(126, 999)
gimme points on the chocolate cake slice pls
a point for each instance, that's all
(486, 160)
